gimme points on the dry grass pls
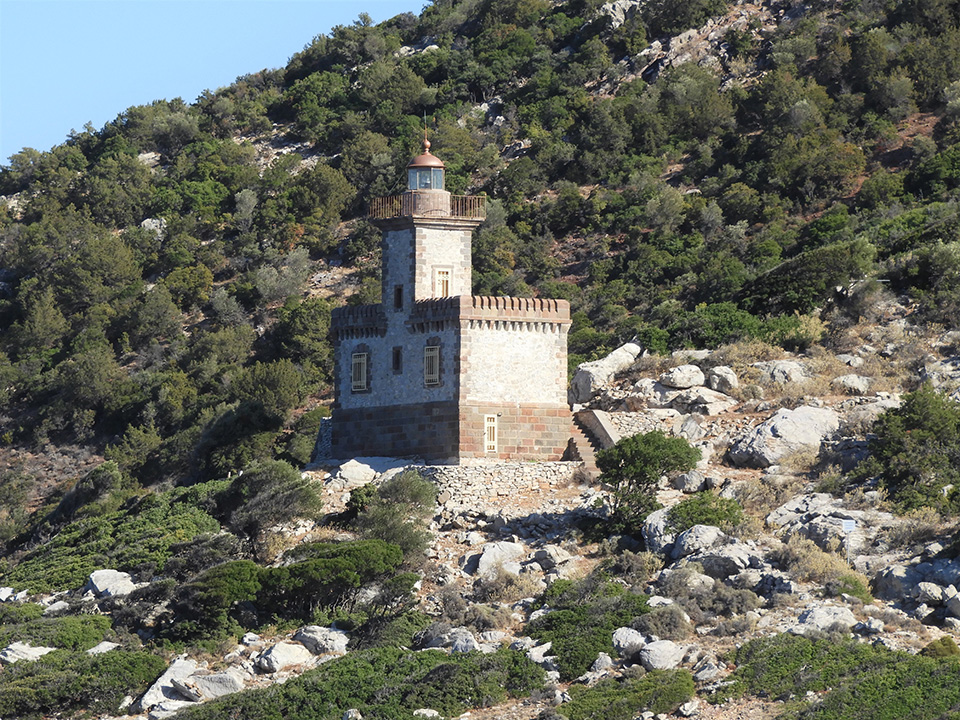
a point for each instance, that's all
(918, 527)
(741, 354)
(808, 563)
(760, 496)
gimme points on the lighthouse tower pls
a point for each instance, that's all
(437, 373)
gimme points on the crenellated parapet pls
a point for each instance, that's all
(537, 314)
(352, 322)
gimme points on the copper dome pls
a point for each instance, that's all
(427, 159)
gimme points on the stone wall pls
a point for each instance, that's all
(470, 487)
(428, 430)
(525, 432)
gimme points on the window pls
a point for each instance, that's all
(358, 372)
(441, 283)
(397, 360)
(431, 365)
(398, 297)
(489, 433)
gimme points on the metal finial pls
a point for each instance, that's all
(426, 143)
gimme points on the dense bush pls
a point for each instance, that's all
(70, 682)
(80, 632)
(385, 684)
(633, 466)
(582, 621)
(914, 451)
(859, 680)
(660, 691)
(705, 508)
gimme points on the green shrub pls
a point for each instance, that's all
(659, 691)
(385, 684)
(73, 632)
(913, 450)
(854, 681)
(581, 625)
(64, 682)
(633, 466)
(705, 508)
(942, 648)
(396, 513)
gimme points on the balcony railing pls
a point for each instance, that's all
(428, 204)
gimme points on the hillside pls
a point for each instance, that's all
(770, 188)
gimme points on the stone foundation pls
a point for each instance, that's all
(440, 432)
(427, 430)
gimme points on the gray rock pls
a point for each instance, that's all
(162, 689)
(322, 640)
(696, 540)
(6, 593)
(850, 360)
(353, 474)
(786, 432)
(724, 561)
(426, 713)
(283, 655)
(22, 652)
(702, 401)
(782, 372)
(661, 655)
(654, 531)
(706, 673)
(250, 639)
(824, 618)
(591, 377)
(109, 583)
(602, 663)
(683, 377)
(167, 708)
(689, 709)
(952, 606)
(690, 482)
(104, 647)
(352, 714)
(496, 554)
(873, 626)
(628, 641)
(722, 379)
(896, 582)
(691, 430)
(854, 384)
(462, 641)
(550, 556)
(56, 608)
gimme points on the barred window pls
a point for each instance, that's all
(359, 378)
(431, 365)
(489, 433)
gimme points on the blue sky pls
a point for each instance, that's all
(64, 63)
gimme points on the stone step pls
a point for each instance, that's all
(584, 448)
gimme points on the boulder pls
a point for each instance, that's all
(656, 536)
(896, 582)
(6, 593)
(461, 640)
(593, 376)
(19, 652)
(322, 640)
(781, 372)
(60, 606)
(551, 556)
(726, 560)
(162, 689)
(353, 474)
(602, 663)
(283, 655)
(352, 714)
(853, 384)
(199, 688)
(168, 708)
(690, 482)
(696, 540)
(929, 593)
(786, 432)
(722, 379)
(824, 618)
(426, 713)
(628, 641)
(661, 655)
(683, 377)
(496, 554)
(104, 647)
(109, 583)
(702, 401)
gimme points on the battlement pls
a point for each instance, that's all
(354, 321)
(483, 307)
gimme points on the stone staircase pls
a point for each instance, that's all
(583, 447)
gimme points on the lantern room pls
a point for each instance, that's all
(425, 172)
